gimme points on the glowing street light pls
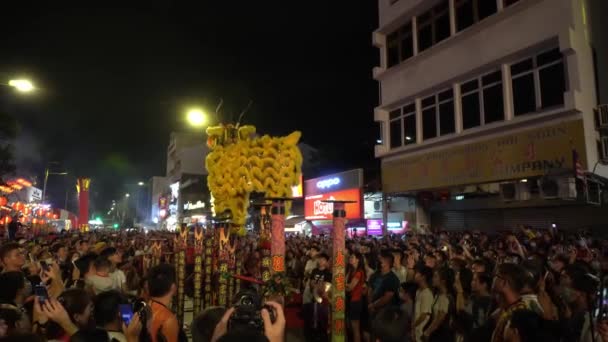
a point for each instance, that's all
(21, 85)
(141, 183)
(127, 195)
(197, 117)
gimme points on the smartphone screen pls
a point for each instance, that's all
(126, 312)
(41, 293)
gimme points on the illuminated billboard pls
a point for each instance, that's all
(316, 209)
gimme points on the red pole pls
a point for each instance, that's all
(82, 186)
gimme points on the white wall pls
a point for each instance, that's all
(485, 43)
(193, 159)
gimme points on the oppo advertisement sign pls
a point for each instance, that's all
(344, 186)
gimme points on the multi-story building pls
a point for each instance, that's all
(186, 154)
(185, 181)
(487, 110)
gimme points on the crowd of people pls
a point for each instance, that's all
(92, 287)
(520, 285)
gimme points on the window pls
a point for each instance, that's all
(429, 118)
(468, 12)
(433, 26)
(403, 126)
(409, 124)
(493, 102)
(539, 82)
(447, 123)
(438, 115)
(400, 45)
(482, 100)
(471, 102)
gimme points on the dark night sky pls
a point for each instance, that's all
(116, 81)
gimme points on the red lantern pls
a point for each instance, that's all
(21, 206)
(49, 214)
(3, 201)
(27, 211)
(41, 222)
(7, 219)
(34, 221)
(40, 212)
(55, 217)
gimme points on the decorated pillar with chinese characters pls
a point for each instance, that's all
(198, 269)
(277, 246)
(208, 268)
(157, 253)
(265, 244)
(223, 237)
(181, 243)
(82, 186)
(338, 325)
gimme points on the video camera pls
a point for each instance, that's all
(247, 314)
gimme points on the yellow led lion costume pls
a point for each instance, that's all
(239, 164)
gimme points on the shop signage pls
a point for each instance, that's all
(518, 155)
(328, 183)
(34, 194)
(339, 181)
(316, 209)
(193, 206)
(374, 227)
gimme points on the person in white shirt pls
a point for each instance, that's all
(311, 265)
(119, 280)
(423, 304)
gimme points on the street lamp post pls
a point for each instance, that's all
(47, 173)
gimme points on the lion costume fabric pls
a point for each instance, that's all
(239, 164)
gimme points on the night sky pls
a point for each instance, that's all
(116, 81)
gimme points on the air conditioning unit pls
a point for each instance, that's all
(511, 192)
(601, 117)
(377, 205)
(557, 188)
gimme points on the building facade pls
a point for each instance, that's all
(182, 194)
(487, 109)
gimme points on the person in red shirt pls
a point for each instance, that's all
(356, 284)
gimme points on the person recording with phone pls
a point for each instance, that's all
(108, 315)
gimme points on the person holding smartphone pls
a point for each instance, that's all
(108, 314)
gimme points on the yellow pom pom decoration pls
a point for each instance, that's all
(238, 164)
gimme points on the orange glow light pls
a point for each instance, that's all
(24, 182)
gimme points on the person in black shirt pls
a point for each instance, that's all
(384, 289)
(316, 314)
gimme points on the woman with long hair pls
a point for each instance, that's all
(355, 286)
(443, 307)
